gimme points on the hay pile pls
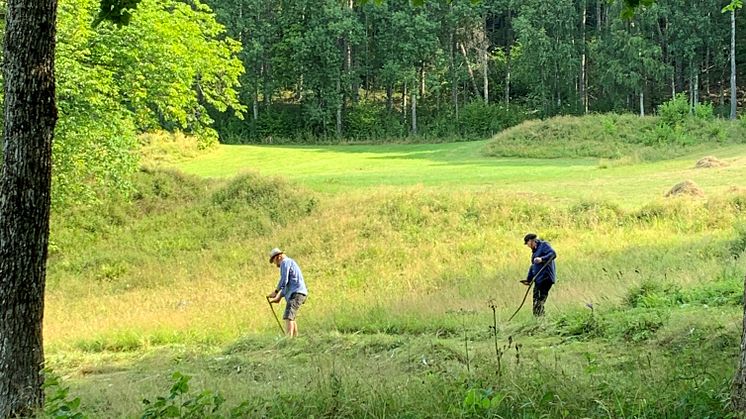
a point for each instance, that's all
(687, 188)
(710, 161)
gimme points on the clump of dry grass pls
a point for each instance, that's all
(166, 148)
(685, 188)
(710, 162)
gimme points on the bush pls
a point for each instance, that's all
(479, 118)
(369, 121)
(268, 196)
(675, 111)
(704, 111)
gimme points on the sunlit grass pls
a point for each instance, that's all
(403, 248)
(352, 168)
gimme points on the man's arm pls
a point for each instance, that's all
(283, 282)
(545, 253)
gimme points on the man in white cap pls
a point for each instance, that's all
(291, 286)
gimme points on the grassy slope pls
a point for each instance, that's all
(185, 267)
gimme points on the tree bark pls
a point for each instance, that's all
(25, 186)
(738, 393)
(389, 97)
(583, 75)
(341, 95)
(354, 87)
(469, 70)
(642, 103)
(414, 113)
(422, 80)
(733, 64)
(404, 103)
(508, 48)
(452, 69)
(485, 62)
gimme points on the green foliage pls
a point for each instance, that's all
(653, 294)
(57, 404)
(482, 401)
(635, 325)
(270, 196)
(704, 111)
(179, 403)
(116, 11)
(113, 80)
(580, 323)
(479, 119)
(733, 6)
(368, 121)
(675, 111)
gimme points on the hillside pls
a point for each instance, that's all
(399, 273)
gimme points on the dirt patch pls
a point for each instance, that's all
(685, 188)
(710, 161)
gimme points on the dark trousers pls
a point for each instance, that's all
(541, 292)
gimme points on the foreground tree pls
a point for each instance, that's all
(732, 7)
(30, 117)
(738, 393)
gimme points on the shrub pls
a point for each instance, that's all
(675, 111)
(704, 111)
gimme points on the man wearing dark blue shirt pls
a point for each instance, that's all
(291, 286)
(542, 271)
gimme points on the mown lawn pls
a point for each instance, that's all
(350, 168)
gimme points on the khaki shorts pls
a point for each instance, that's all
(293, 305)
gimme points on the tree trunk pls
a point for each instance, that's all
(267, 73)
(454, 83)
(25, 186)
(733, 64)
(738, 393)
(673, 83)
(691, 87)
(707, 71)
(508, 47)
(389, 97)
(485, 62)
(339, 108)
(422, 80)
(414, 113)
(507, 79)
(354, 86)
(255, 107)
(583, 96)
(404, 103)
(255, 101)
(642, 103)
(468, 68)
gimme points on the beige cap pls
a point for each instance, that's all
(273, 253)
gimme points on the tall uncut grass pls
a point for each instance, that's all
(644, 321)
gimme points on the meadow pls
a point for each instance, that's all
(412, 254)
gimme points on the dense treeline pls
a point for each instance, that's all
(278, 70)
(377, 69)
(160, 71)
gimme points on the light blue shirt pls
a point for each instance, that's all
(291, 279)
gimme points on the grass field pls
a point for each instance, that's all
(349, 168)
(406, 249)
